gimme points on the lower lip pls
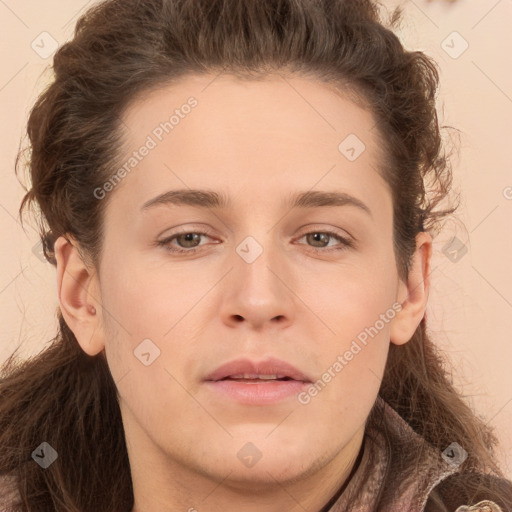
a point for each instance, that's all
(258, 393)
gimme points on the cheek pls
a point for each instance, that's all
(350, 374)
(350, 297)
(147, 303)
(150, 318)
(357, 307)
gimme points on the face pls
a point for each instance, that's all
(187, 285)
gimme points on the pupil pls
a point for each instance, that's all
(318, 236)
(189, 237)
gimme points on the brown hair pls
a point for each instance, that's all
(122, 48)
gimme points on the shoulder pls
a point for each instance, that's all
(470, 492)
(427, 481)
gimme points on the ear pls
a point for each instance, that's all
(78, 291)
(413, 294)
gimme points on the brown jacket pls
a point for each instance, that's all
(391, 446)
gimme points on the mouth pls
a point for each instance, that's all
(255, 378)
(247, 370)
(257, 382)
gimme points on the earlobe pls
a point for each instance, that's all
(413, 295)
(78, 292)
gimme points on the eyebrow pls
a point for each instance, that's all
(210, 199)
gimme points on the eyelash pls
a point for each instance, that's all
(346, 243)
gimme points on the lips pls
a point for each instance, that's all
(268, 370)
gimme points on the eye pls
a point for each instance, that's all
(190, 239)
(321, 237)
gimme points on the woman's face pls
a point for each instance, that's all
(265, 280)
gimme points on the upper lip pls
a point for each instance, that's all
(269, 366)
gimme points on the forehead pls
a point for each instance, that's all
(249, 137)
(283, 106)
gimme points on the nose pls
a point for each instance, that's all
(259, 289)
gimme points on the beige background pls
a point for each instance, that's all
(470, 311)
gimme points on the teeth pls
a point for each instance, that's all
(256, 376)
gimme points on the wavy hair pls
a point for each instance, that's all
(124, 48)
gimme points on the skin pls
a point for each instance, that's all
(257, 142)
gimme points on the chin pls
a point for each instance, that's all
(263, 475)
(245, 467)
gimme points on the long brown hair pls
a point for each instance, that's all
(122, 48)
